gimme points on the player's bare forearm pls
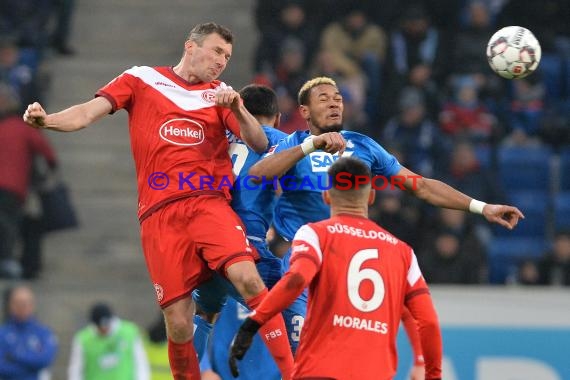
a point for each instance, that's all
(277, 164)
(441, 194)
(250, 129)
(70, 119)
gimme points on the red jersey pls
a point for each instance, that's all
(364, 275)
(178, 134)
(20, 144)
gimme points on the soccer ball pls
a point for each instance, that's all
(513, 52)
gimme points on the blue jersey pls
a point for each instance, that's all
(252, 202)
(301, 201)
(257, 362)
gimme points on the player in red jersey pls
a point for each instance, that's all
(359, 277)
(178, 118)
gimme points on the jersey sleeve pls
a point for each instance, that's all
(230, 121)
(120, 91)
(383, 163)
(281, 145)
(415, 284)
(306, 244)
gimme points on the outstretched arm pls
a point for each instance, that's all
(441, 194)
(279, 163)
(70, 119)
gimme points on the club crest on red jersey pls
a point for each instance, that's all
(209, 96)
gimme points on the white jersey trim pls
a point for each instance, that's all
(183, 98)
(307, 235)
(414, 272)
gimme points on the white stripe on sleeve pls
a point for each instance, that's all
(414, 272)
(307, 235)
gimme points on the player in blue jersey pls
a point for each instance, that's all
(305, 156)
(254, 204)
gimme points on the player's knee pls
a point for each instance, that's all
(178, 327)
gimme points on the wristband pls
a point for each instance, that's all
(476, 206)
(308, 146)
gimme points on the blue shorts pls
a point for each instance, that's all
(295, 314)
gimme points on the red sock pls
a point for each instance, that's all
(274, 335)
(183, 361)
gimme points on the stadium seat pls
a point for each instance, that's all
(524, 168)
(562, 211)
(535, 205)
(551, 73)
(505, 254)
(565, 169)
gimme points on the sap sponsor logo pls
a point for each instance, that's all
(300, 248)
(347, 321)
(184, 132)
(322, 161)
(209, 96)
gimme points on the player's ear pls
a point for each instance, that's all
(304, 111)
(371, 196)
(327, 197)
(277, 120)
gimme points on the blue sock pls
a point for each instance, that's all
(202, 330)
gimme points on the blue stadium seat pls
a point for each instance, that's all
(524, 168)
(535, 205)
(505, 254)
(562, 211)
(551, 73)
(565, 169)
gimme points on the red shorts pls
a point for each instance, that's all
(184, 241)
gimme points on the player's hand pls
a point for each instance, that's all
(418, 372)
(35, 115)
(330, 142)
(228, 97)
(506, 216)
(241, 343)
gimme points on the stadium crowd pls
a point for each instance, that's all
(414, 76)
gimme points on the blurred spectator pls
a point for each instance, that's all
(450, 259)
(16, 72)
(553, 268)
(290, 72)
(398, 212)
(156, 348)
(423, 146)
(358, 45)
(467, 174)
(526, 111)
(63, 13)
(291, 120)
(27, 20)
(291, 25)
(352, 85)
(527, 273)
(109, 348)
(466, 55)
(20, 145)
(415, 58)
(465, 116)
(27, 347)
(547, 19)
